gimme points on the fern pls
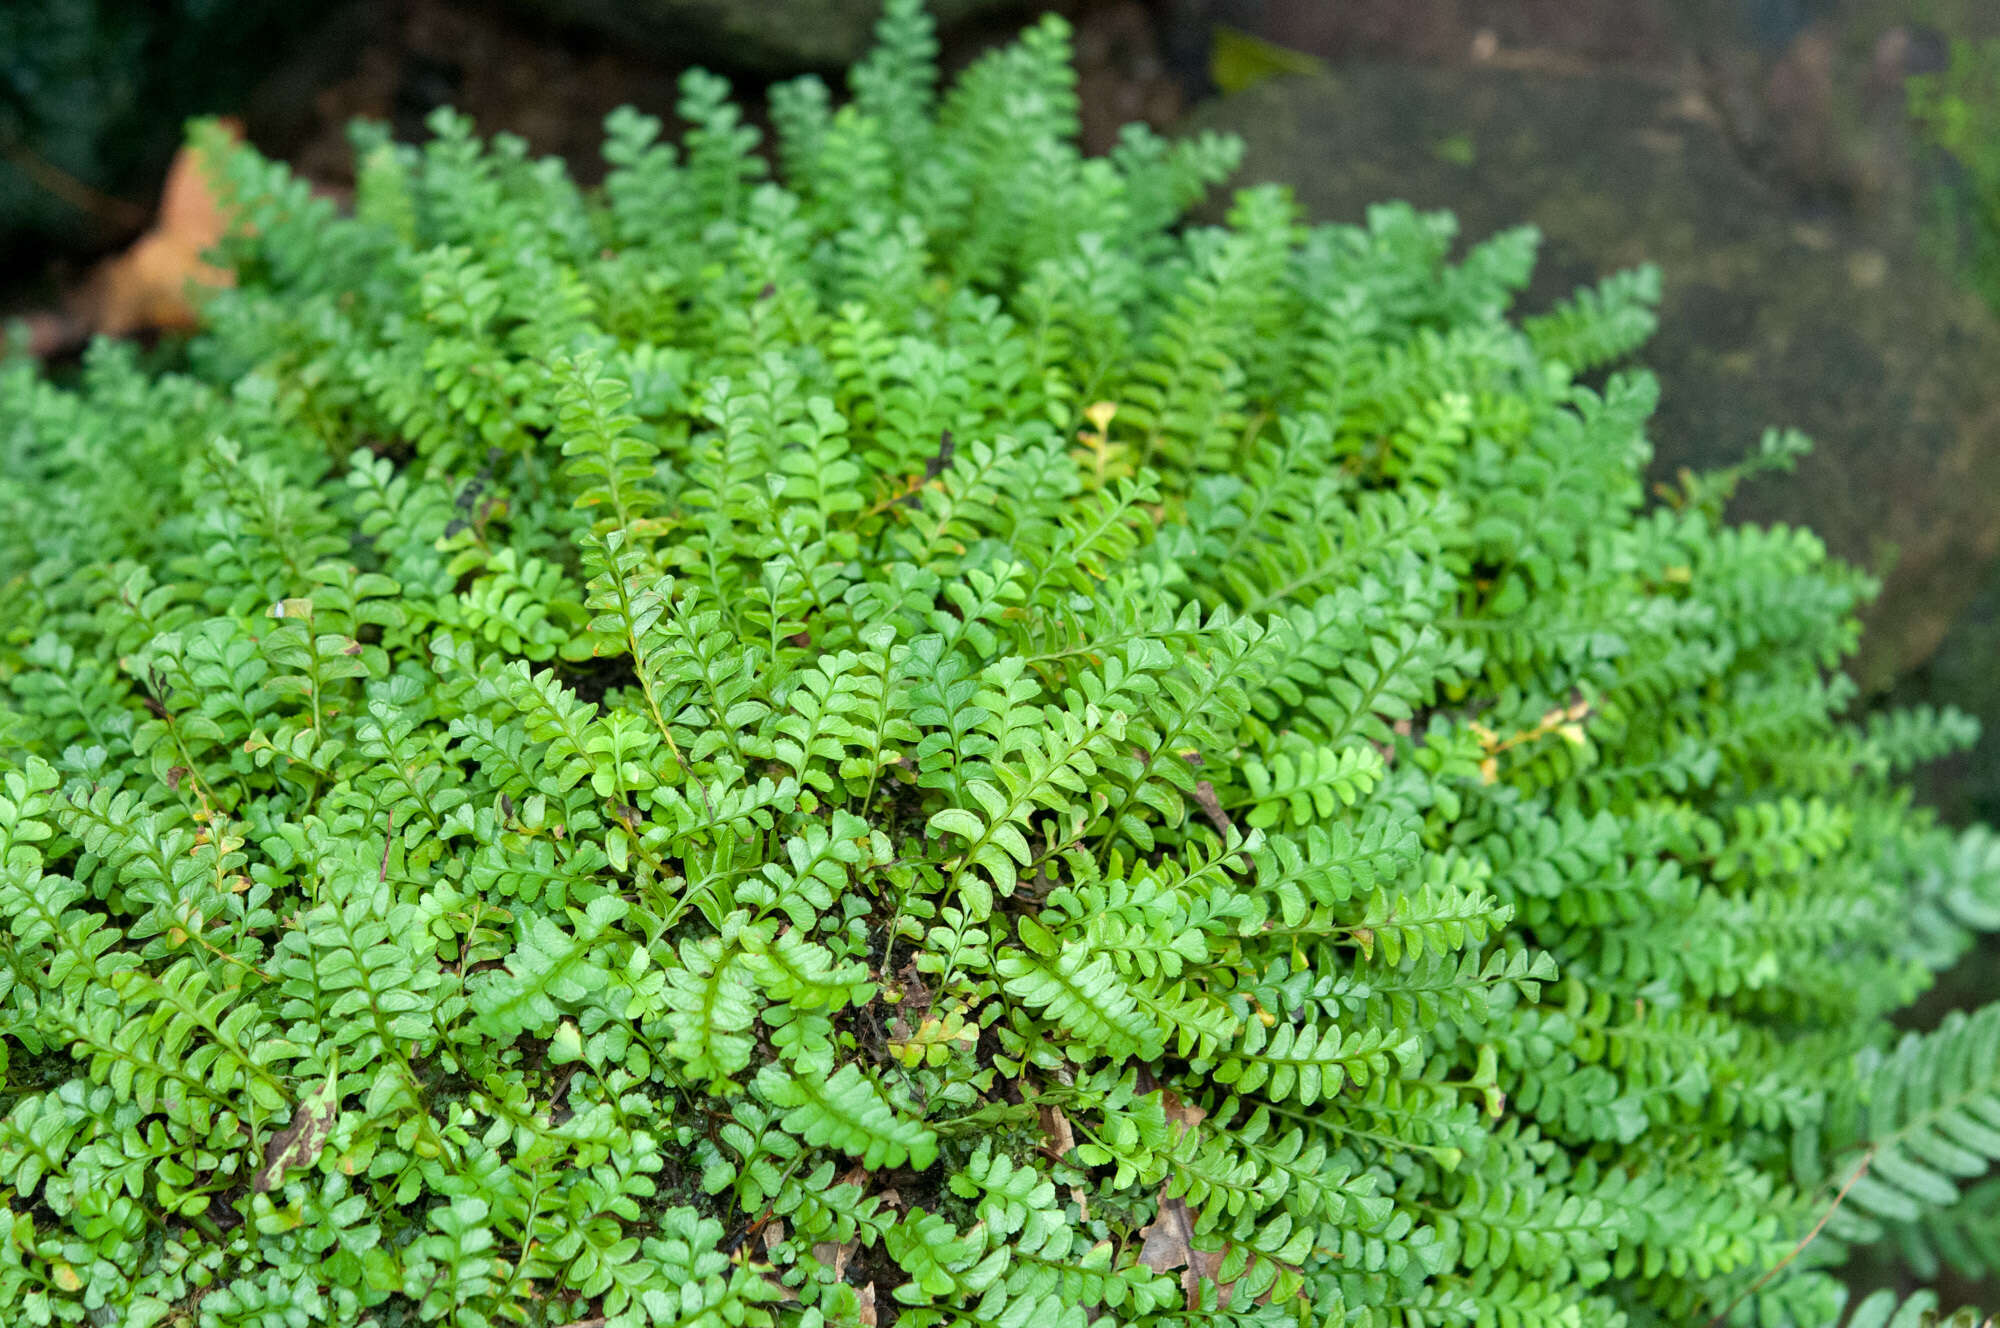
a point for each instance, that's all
(892, 728)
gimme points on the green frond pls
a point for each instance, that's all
(898, 726)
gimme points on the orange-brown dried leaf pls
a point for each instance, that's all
(146, 287)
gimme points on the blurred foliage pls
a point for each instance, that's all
(1959, 111)
(1238, 60)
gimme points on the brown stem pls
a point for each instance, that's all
(1799, 1248)
(84, 198)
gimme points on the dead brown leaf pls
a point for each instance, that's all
(146, 287)
(1061, 1137)
(916, 995)
(1183, 1114)
(1168, 1236)
(298, 1145)
(834, 1257)
(1211, 807)
(1169, 1244)
(867, 1302)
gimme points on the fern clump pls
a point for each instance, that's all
(903, 736)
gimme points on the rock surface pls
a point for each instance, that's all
(1810, 92)
(773, 35)
(1773, 315)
